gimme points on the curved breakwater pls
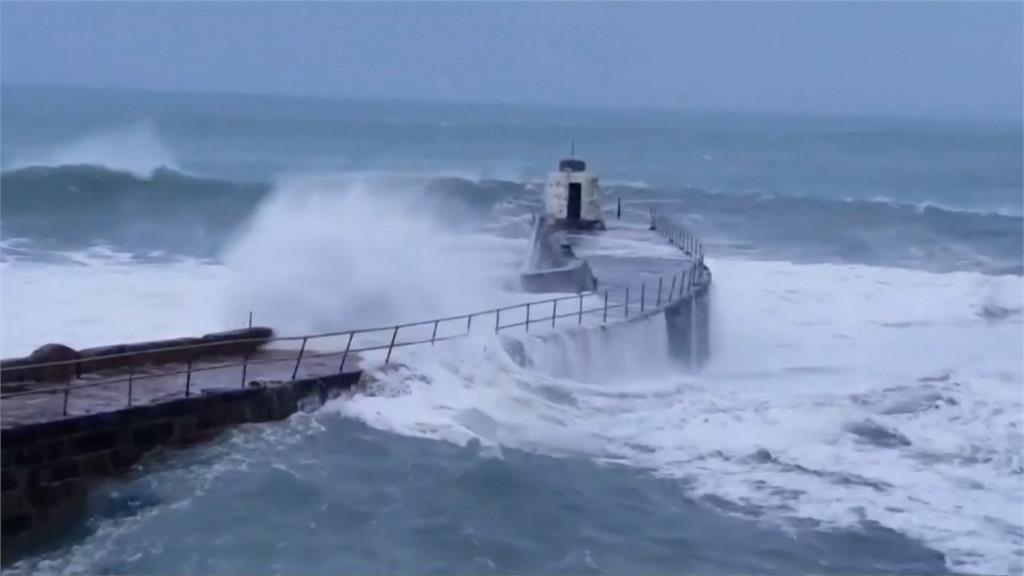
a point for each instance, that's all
(47, 478)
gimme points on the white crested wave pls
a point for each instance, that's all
(1010, 211)
(136, 148)
(841, 394)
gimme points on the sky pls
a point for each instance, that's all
(919, 58)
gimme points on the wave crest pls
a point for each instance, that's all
(136, 148)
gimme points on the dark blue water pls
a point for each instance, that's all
(962, 164)
(331, 495)
(181, 173)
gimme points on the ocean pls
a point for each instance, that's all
(861, 411)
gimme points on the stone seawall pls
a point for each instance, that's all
(47, 468)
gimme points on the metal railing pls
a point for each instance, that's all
(604, 304)
(677, 234)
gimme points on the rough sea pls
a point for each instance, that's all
(861, 412)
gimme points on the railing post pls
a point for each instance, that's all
(67, 392)
(658, 303)
(497, 320)
(302, 350)
(643, 295)
(527, 316)
(392, 345)
(250, 318)
(604, 319)
(618, 209)
(433, 335)
(245, 367)
(188, 379)
(626, 313)
(580, 321)
(672, 288)
(131, 375)
(554, 312)
(345, 355)
(469, 323)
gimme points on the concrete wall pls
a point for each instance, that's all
(47, 468)
(231, 343)
(574, 277)
(688, 322)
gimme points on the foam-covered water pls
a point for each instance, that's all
(861, 412)
(803, 414)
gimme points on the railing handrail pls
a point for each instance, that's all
(689, 280)
(314, 336)
(310, 355)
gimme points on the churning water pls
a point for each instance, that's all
(861, 412)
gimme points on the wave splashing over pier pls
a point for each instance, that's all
(340, 252)
(860, 412)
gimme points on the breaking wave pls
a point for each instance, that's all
(68, 207)
(75, 205)
(136, 148)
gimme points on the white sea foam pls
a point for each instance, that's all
(97, 297)
(136, 148)
(836, 393)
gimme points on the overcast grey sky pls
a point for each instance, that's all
(898, 58)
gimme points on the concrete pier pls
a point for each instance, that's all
(73, 417)
(52, 451)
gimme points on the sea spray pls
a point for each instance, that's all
(335, 252)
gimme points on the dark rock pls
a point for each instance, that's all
(992, 312)
(878, 435)
(46, 354)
